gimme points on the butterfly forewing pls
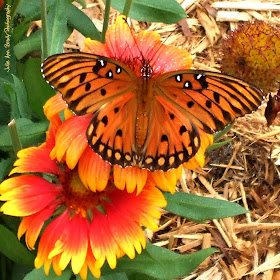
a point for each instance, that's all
(87, 81)
(210, 100)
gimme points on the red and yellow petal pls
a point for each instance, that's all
(167, 181)
(72, 245)
(91, 263)
(162, 58)
(95, 47)
(119, 231)
(26, 195)
(35, 159)
(130, 178)
(94, 172)
(127, 233)
(120, 41)
(32, 225)
(103, 244)
(54, 106)
(143, 207)
(47, 242)
(50, 134)
(65, 240)
(71, 140)
(169, 59)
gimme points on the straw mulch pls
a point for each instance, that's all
(244, 171)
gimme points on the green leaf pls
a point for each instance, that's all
(157, 262)
(218, 136)
(57, 26)
(20, 30)
(3, 96)
(28, 45)
(11, 222)
(198, 208)
(19, 271)
(218, 145)
(21, 97)
(113, 276)
(38, 90)
(221, 133)
(167, 11)
(10, 91)
(28, 8)
(29, 133)
(5, 112)
(13, 249)
(80, 21)
(39, 274)
(138, 276)
(57, 31)
(5, 167)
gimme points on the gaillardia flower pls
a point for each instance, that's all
(86, 228)
(123, 45)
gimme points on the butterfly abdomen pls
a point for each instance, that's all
(144, 99)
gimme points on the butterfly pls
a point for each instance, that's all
(155, 122)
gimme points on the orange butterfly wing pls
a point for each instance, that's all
(211, 100)
(183, 105)
(105, 88)
(188, 104)
(87, 81)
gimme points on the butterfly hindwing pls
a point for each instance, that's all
(87, 81)
(172, 139)
(110, 132)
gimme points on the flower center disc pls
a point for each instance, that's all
(76, 196)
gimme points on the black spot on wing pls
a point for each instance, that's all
(105, 120)
(119, 133)
(183, 129)
(99, 65)
(88, 86)
(103, 92)
(216, 97)
(201, 78)
(164, 138)
(83, 77)
(208, 104)
(190, 104)
(172, 116)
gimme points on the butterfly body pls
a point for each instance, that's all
(155, 121)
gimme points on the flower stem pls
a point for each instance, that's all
(127, 7)
(44, 40)
(14, 136)
(106, 20)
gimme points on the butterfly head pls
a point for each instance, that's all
(146, 70)
(140, 66)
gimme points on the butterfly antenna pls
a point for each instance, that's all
(164, 41)
(133, 36)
